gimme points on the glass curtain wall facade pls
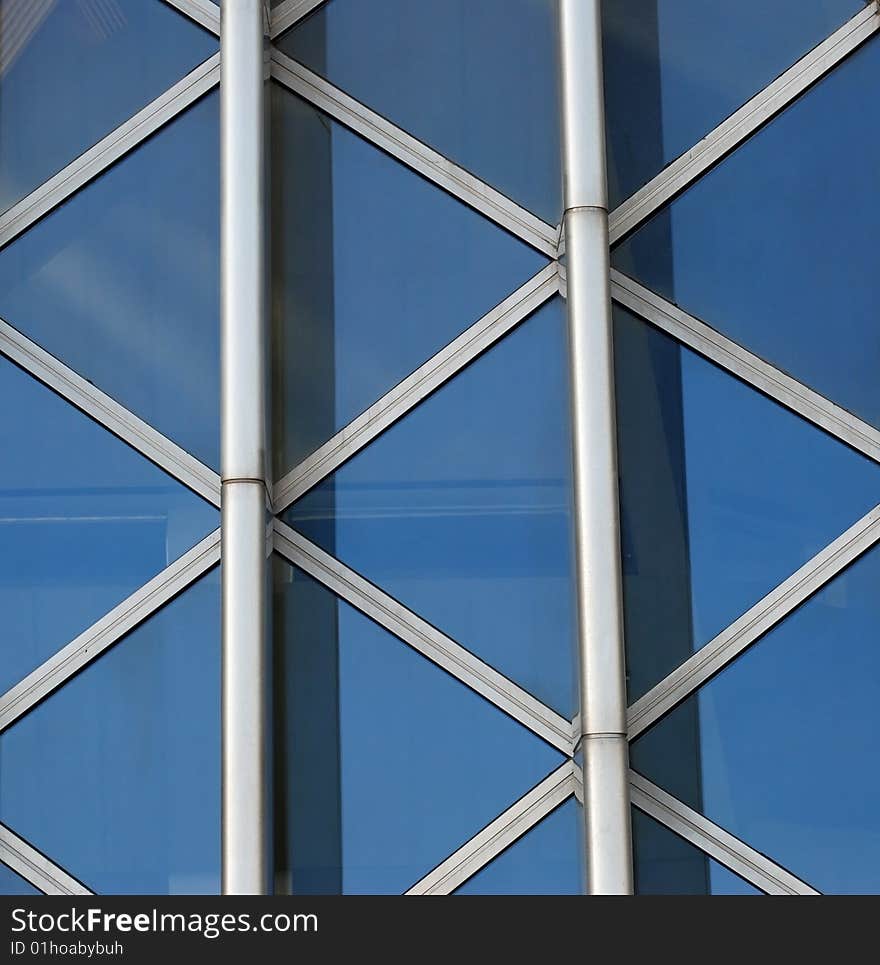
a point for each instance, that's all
(422, 685)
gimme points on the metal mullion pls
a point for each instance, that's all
(754, 623)
(714, 841)
(110, 414)
(499, 835)
(122, 619)
(732, 357)
(426, 639)
(290, 12)
(414, 388)
(35, 867)
(414, 154)
(203, 12)
(774, 98)
(109, 150)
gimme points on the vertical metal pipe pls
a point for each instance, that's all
(596, 512)
(243, 313)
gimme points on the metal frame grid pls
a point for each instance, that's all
(565, 781)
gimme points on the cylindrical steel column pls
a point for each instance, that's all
(245, 825)
(596, 513)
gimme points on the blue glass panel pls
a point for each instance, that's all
(84, 521)
(666, 864)
(545, 861)
(778, 747)
(461, 510)
(117, 774)
(73, 71)
(387, 763)
(122, 281)
(724, 494)
(13, 884)
(778, 255)
(390, 270)
(674, 69)
(474, 79)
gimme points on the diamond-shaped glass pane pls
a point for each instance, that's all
(474, 79)
(117, 774)
(724, 494)
(387, 763)
(775, 246)
(73, 70)
(122, 281)
(85, 520)
(461, 510)
(777, 749)
(391, 269)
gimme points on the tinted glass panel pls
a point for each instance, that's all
(724, 494)
(84, 521)
(73, 70)
(778, 255)
(121, 282)
(545, 861)
(390, 270)
(674, 69)
(777, 748)
(117, 774)
(474, 79)
(13, 884)
(461, 510)
(388, 764)
(666, 864)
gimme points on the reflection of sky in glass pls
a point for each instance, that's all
(84, 521)
(13, 884)
(774, 247)
(122, 281)
(545, 861)
(393, 270)
(674, 69)
(475, 79)
(117, 774)
(461, 510)
(424, 762)
(73, 70)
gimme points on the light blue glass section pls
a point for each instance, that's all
(85, 520)
(545, 861)
(122, 281)
(724, 494)
(474, 79)
(780, 743)
(461, 510)
(422, 762)
(390, 270)
(13, 884)
(666, 864)
(117, 774)
(74, 70)
(778, 255)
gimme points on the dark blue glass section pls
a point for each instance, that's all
(412, 765)
(122, 281)
(474, 79)
(13, 884)
(666, 864)
(779, 746)
(390, 270)
(461, 510)
(777, 255)
(674, 69)
(84, 521)
(73, 71)
(545, 861)
(724, 494)
(117, 774)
